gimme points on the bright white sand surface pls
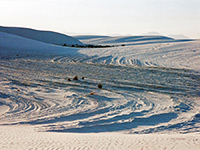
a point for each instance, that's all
(24, 137)
(149, 100)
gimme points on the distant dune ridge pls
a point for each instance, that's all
(128, 40)
(43, 36)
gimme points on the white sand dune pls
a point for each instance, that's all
(12, 45)
(128, 40)
(183, 55)
(43, 36)
(149, 100)
(173, 55)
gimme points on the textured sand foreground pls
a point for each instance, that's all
(24, 138)
(149, 101)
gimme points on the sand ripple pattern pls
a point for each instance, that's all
(102, 60)
(134, 99)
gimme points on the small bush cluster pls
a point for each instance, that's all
(100, 86)
(75, 78)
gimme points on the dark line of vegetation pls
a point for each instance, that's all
(90, 46)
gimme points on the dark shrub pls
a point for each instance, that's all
(100, 86)
(91, 93)
(75, 78)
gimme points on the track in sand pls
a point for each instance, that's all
(134, 99)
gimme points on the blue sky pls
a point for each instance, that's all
(104, 17)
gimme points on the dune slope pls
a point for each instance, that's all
(12, 45)
(43, 36)
(128, 40)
